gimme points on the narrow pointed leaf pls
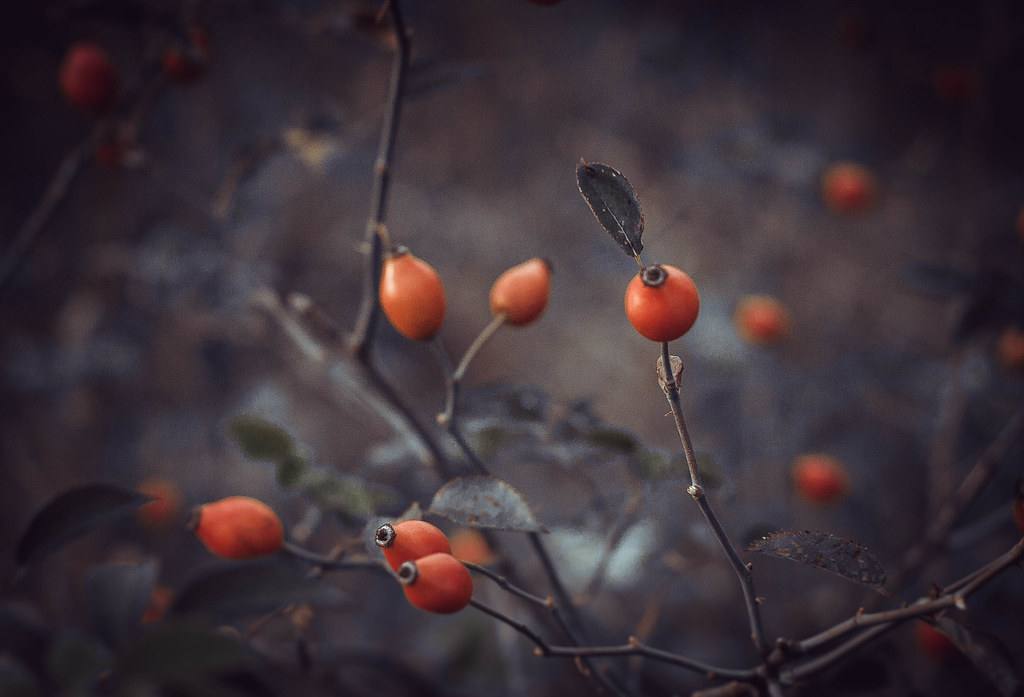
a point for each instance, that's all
(252, 587)
(485, 502)
(72, 514)
(615, 204)
(118, 596)
(822, 550)
(986, 652)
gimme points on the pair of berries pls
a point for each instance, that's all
(421, 555)
(413, 298)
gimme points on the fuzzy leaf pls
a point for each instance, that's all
(252, 587)
(614, 203)
(822, 550)
(118, 596)
(72, 514)
(485, 502)
(261, 439)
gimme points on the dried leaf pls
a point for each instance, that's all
(72, 514)
(822, 550)
(485, 502)
(614, 203)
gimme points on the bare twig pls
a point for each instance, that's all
(938, 533)
(56, 191)
(330, 562)
(876, 624)
(375, 235)
(696, 490)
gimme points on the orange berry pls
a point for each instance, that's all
(819, 479)
(159, 600)
(1010, 349)
(186, 65)
(662, 302)
(239, 527)
(469, 545)
(409, 540)
(761, 319)
(88, 78)
(848, 188)
(436, 583)
(412, 296)
(521, 293)
(932, 642)
(165, 506)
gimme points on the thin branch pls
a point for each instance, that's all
(876, 624)
(938, 533)
(455, 376)
(57, 190)
(329, 562)
(351, 383)
(669, 379)
(375, 238)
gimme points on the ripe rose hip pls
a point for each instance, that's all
(187, 64)
(88, 78)
(1010, 349)
(521, 293)
(848, 188)
(819, 479)
(936, 645)
(761, 319)
(239, 527)
(165, 506)
(436, 583)
(412, 296)
(662, 302)
(469, 545)
(409, 540)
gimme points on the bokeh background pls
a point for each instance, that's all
(129, 334)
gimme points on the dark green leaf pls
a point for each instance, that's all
(118, 596)
(485, 502)
(17, 681)
(291, 469)
(821, 550)
(176, 651)
(260, 438)
(350, 497)
(615, 204)
(22, 639)
(252, 587)
(72, 514)
(75, 661)
(613, 438)
(986, 652)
